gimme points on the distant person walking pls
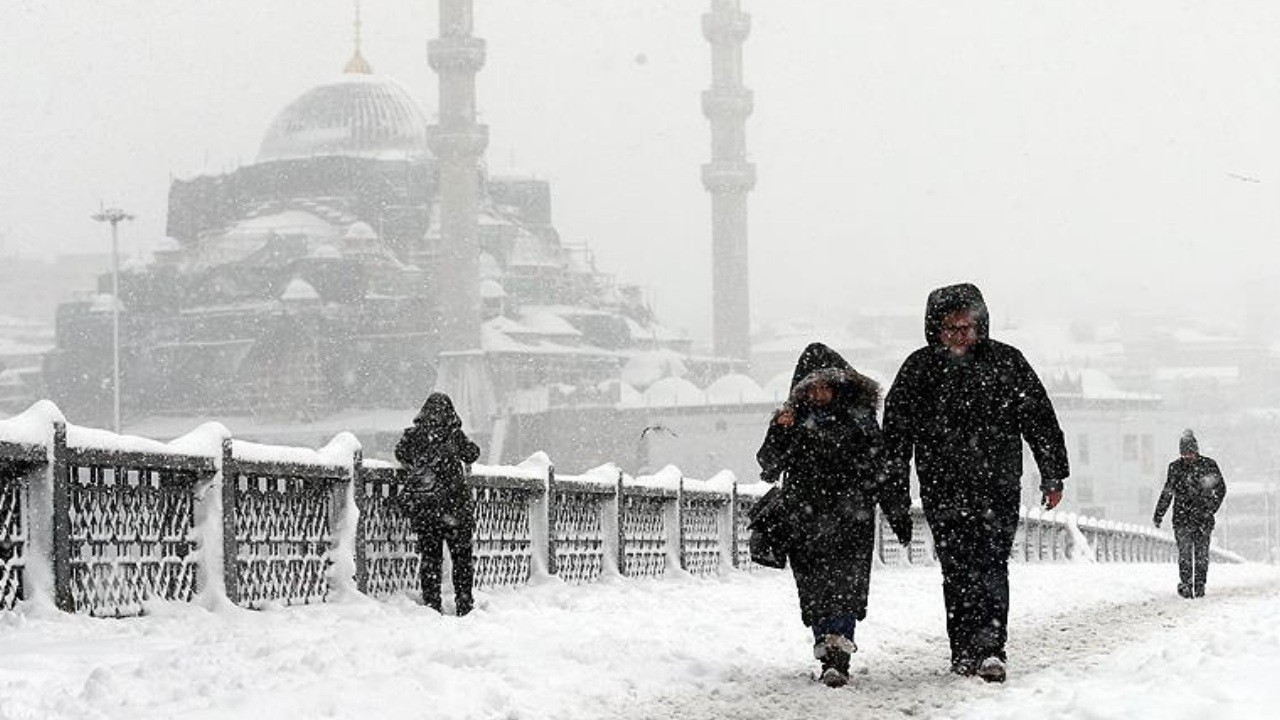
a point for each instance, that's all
(434, 452)
(961, 406)
(825, 444)
(1196, 488)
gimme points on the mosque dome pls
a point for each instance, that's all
(356, 115)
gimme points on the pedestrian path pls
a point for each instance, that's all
(1086, 641)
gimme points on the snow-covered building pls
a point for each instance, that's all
(310, 282)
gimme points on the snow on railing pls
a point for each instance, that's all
(103, 524)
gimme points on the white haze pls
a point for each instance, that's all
(1077, 157)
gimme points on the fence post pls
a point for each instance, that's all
(230, 546)
(63, 597)
(733, 524)
(727, 523)
(877, 552)
(361, 495)
(619, 511)
(681, 560)
(550, 512)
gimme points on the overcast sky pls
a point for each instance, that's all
(1071, 157)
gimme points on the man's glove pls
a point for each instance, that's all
(1156, 520)
(1050, 500)
(902, 528)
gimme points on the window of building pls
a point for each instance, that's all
(1148, 453)
(1082, 449)
(1130, 448)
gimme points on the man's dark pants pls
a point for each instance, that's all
(973, 548)
(1193, 557)
(431, 537)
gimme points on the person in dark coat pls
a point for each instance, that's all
(825, 443)
(961, 406)
(434, 452)
(1196, 489)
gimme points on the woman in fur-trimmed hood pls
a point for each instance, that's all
(825, 443)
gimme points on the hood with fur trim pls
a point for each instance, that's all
(820, 364)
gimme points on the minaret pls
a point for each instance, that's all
(357, 65)
(728, 177)
(458, 141)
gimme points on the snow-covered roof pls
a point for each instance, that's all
(360, 231)
(650, 366)
(299, 290)
(1098, 385)
(544, 322)
(354, 115)
(734, 389)
(674, 392)
(653, 332)
(779, 386)
(490, 289)
(498, 341)
(288, 222)
(629, 396)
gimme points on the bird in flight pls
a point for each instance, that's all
(656, 429)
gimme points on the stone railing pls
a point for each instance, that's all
(102, 524)
(1049, 536)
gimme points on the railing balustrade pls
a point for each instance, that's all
(102, 524)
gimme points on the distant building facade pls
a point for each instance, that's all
(311, 282)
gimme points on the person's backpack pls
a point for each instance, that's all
(419, 495)
(769, 530)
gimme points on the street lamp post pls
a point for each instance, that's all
(114, 216)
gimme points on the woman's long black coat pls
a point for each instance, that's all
(831, 461)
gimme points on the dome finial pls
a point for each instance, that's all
(357, 65)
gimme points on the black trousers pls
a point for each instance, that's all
(973, 548)
(432, 536)
(1193, 557)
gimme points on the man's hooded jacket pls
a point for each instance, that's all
(433, 452)
(963, 418)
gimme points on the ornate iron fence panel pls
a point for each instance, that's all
(891, 553)
(579, 532)
(282, 538)
(700, 521)
(919, 550)
(644, 531)
(503, 539)
(391, 546)
(13, 534)
(132, 536)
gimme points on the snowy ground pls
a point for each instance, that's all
(1087, 641)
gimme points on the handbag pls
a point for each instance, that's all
(769, 530)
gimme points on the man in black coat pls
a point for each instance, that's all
(434, 452)
(1195, 487)
(962, 406)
